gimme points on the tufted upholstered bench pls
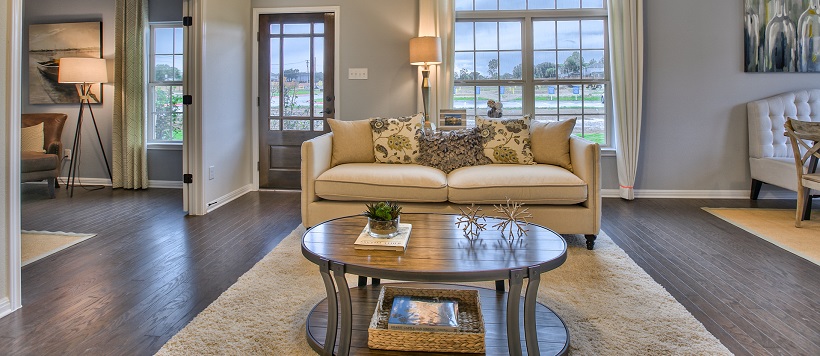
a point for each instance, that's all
(771, 159)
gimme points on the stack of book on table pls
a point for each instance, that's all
(395, 243)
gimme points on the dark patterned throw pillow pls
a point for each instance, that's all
(450, 150)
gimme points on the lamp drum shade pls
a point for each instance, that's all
(425, 50)
(82, 70)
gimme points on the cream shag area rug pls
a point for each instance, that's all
(610, 305)
(777, 227)
(35, 245)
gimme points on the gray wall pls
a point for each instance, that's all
(163, 165)
(374, 35)
(694, 130)
(56, 11)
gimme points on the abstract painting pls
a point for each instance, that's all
(782, 36)
(50, 42)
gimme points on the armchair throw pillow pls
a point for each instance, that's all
(550, 142)
(450, 150)
(506, 140)
(396, 140)
(352, 142)
(32, 138)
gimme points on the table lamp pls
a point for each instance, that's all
(425, 51)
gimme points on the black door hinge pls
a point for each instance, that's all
(187, 21)
(187, 100)
(187, 178)
(258, 101)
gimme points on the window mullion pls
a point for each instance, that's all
(527, 62)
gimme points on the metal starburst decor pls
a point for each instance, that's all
(513, 219)
(470, 219)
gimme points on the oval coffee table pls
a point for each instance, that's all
(436, 252)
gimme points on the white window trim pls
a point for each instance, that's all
(150, 84)
(528, 83)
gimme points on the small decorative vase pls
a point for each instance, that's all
(383, 229)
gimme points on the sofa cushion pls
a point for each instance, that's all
(32, 138)
(396, 140)
(37, 161)
(550, 142)
(449, 150)
(506, 140)
(352, 142)
(530, 184)
(376, 181)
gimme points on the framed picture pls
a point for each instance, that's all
(47, 43)
(449, 119)
(781, 36)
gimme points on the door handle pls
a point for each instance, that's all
(329, 98)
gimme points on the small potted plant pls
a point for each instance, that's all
(383, 219)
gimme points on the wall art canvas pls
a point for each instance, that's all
(50, 42)
(782, 35)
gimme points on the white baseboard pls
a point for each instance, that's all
(227, 198)
(701, 194)
(168, 184)
(107, 182)
(5, 307)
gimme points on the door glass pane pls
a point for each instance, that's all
(296, 77)
(274, 125)
(318, 76)
(296, 28)
(296, 125)
(319, 27)
(275, 78)
(275, 29)
(318, 125)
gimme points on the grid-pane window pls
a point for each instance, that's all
(544, 58)
(165, 83)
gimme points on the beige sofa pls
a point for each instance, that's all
(564, 201)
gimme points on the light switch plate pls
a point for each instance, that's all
(357, 73)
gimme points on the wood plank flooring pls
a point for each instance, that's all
(151, 269)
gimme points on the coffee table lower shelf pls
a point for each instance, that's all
(553, 337)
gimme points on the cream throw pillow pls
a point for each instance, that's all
(550, 142)
(352, 142)
(32, 138)
(397, 140)
(506, 140)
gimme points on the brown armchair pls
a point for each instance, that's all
(38, 166)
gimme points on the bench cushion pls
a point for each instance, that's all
(531, 184)
(380, 181)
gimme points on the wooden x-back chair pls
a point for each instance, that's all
(799, 133)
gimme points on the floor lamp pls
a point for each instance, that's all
(425, 51)
(84, 72)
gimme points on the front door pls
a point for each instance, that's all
(296, 91)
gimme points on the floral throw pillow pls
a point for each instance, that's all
(396, 140)
(506, 140)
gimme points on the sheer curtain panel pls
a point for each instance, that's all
(626, 60)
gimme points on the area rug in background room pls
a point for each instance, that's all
(35, 245)
(777, 227)
(610, 305)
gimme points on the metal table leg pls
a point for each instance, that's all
(513, 302)
(530, 333)
(332, 311)
(345, 308)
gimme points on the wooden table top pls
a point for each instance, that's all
(436, 252)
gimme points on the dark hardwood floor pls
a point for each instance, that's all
(151, 269)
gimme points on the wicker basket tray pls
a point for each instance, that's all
(468, 339)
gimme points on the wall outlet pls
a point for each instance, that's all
(211, 173)
(67, 153)
(357, 73)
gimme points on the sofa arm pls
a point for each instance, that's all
(586, 164)
(316, 154)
